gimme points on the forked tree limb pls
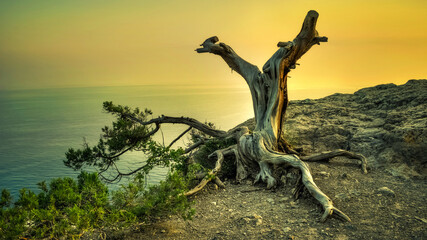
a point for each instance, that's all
(234, 61)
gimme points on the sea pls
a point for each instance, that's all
(38, 126)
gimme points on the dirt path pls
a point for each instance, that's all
(244, 211)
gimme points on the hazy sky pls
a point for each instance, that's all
(46, 44)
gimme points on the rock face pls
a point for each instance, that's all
(386, 123)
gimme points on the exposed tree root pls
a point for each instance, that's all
(254, 144)
(265, 175)
(307, 180)
(326, 156)
(212, 175)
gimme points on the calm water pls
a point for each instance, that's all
(38, 126)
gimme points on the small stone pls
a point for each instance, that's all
(386, 191)
(403, 171)
(163, 231)
(258, 222)
(355, 192)
(303, 220)
(342, 196)
(214, 203)
(293, 204)
(290, 221)
(286, 229)
(324, 174)
(350, 226)
(230, 210)
(247, 220)
(341, 237)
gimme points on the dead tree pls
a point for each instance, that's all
(260, 149)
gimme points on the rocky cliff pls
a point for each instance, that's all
(387, 123)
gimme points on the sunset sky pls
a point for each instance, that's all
(81, 43)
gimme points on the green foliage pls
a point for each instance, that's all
(27, 200)
(92, 191)
(12, 222)
(166, 198)
(127, 196)
(64, 208)
(5, 199)
(62, 193)
(126, 134)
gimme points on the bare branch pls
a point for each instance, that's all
(180, 136)
(181, 120)
(194, 146)
(247, 70)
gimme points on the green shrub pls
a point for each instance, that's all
(93, 192)
(27, 200)
(67, 207)
(12, 222)
(166, 198)
(64, 208)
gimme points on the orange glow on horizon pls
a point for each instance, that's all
(48, 44)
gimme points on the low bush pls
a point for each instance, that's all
(67, 208)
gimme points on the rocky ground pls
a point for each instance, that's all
(386, 123)
(380, 205)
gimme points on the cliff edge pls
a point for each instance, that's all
(387, 123)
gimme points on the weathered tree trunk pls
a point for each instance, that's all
(270, 98)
